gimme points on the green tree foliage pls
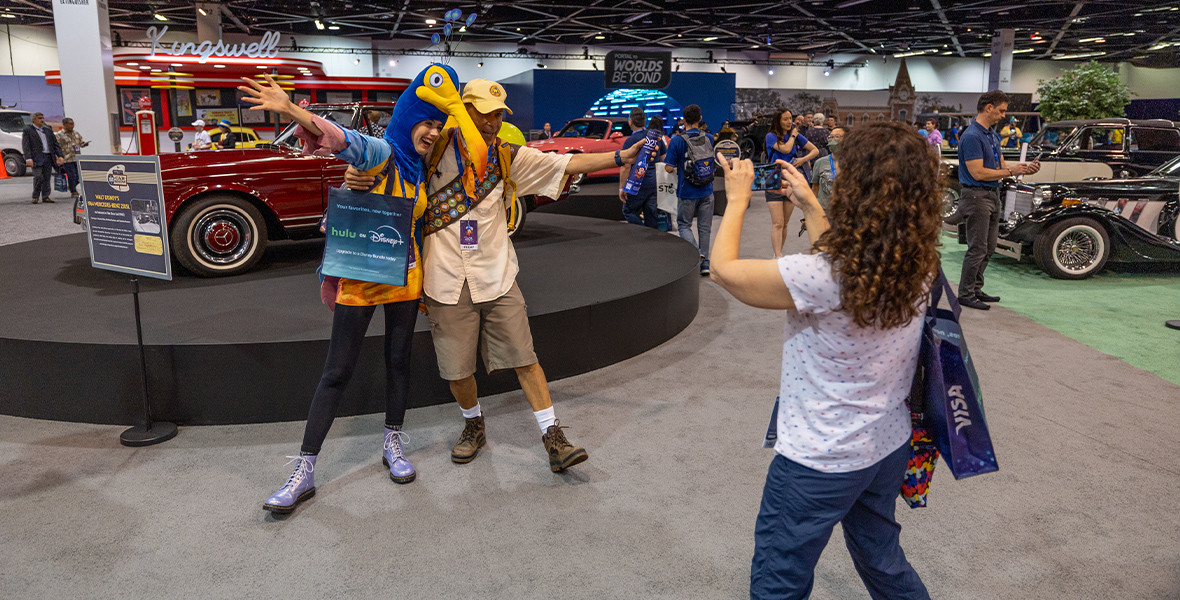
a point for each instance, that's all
(1089, 91)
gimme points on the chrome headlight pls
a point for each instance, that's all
(1038, 197)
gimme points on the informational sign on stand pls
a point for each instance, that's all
(127, 227)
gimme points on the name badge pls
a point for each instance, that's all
(468, 235)
(772, 430)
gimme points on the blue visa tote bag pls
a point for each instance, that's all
(954, 407)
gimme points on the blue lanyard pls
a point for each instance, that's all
(832, 163)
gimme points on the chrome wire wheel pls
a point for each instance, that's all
(950, 202)
(222, 236)
(1078, 249)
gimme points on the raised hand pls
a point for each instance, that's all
(266, 97)
(795, 186)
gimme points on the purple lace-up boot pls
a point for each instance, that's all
(299, 487)
(400, 468)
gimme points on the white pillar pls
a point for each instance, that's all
(208, 24)
(88, 72)
(1000, 74)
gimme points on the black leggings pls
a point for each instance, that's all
(349, 324)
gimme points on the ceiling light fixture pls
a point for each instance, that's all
(1022, 51)
(480, 65)
(160, 17)
(392, 62)
(8, 16)
(130, 64)
(356, 62)
(432, 22)
(770, 72)
(334, 27)
(218, 66)
(600, 37)
(1080, 55)
(319, 24)
(202, 11)
(827, 72)
(710, 39)
(1096, 40)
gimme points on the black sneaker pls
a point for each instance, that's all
(973, 303)
(986, 298)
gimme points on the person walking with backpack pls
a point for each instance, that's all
(691, 153)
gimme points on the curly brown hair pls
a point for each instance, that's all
(885, 219)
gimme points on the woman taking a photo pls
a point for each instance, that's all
(854, 314)
(785, 143)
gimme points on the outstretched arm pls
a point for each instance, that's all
(589, 163)
(754, 282)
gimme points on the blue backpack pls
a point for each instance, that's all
(698, 160)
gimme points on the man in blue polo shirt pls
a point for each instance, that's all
(694, 201)
(981, 167)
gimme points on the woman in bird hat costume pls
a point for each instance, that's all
(418, 115)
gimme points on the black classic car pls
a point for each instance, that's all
(1078, 150)
(1073, 229)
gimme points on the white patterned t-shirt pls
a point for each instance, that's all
(843, 388)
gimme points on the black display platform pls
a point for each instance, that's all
(599, 198)
(250, 348)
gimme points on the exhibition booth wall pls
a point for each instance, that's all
(555, 96)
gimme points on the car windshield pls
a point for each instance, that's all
(12, 122)
(595, 130)
(340, 116)
(1168, 169)
(1051, 137)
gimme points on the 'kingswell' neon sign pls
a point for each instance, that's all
(267, 48)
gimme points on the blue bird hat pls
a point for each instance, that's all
(433, 95)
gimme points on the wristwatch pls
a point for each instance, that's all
(618, 159)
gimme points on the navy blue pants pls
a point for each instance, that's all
(642, 205)
(800, 506)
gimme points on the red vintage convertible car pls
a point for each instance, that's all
(224, 206)
(591, 134)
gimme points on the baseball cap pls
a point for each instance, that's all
(486, 95)
(198, 123)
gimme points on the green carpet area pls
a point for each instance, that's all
(1118, 312)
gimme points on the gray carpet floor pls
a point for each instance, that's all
(1084, 505)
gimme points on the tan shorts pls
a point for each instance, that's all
(499, 328)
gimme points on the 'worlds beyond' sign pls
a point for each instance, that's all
(632, 69)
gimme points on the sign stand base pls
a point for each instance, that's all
(150, 432)
(160, 431)
(1172, 324)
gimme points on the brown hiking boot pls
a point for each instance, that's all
(562, 454)
(470, 441)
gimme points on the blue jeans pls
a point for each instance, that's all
(702, 210)
(642, 205)
(800, 506)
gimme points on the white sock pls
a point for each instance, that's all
(545, 418)
(471, 413)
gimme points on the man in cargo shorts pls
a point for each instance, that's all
(473, 301)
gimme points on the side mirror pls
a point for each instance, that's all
(616, 135)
